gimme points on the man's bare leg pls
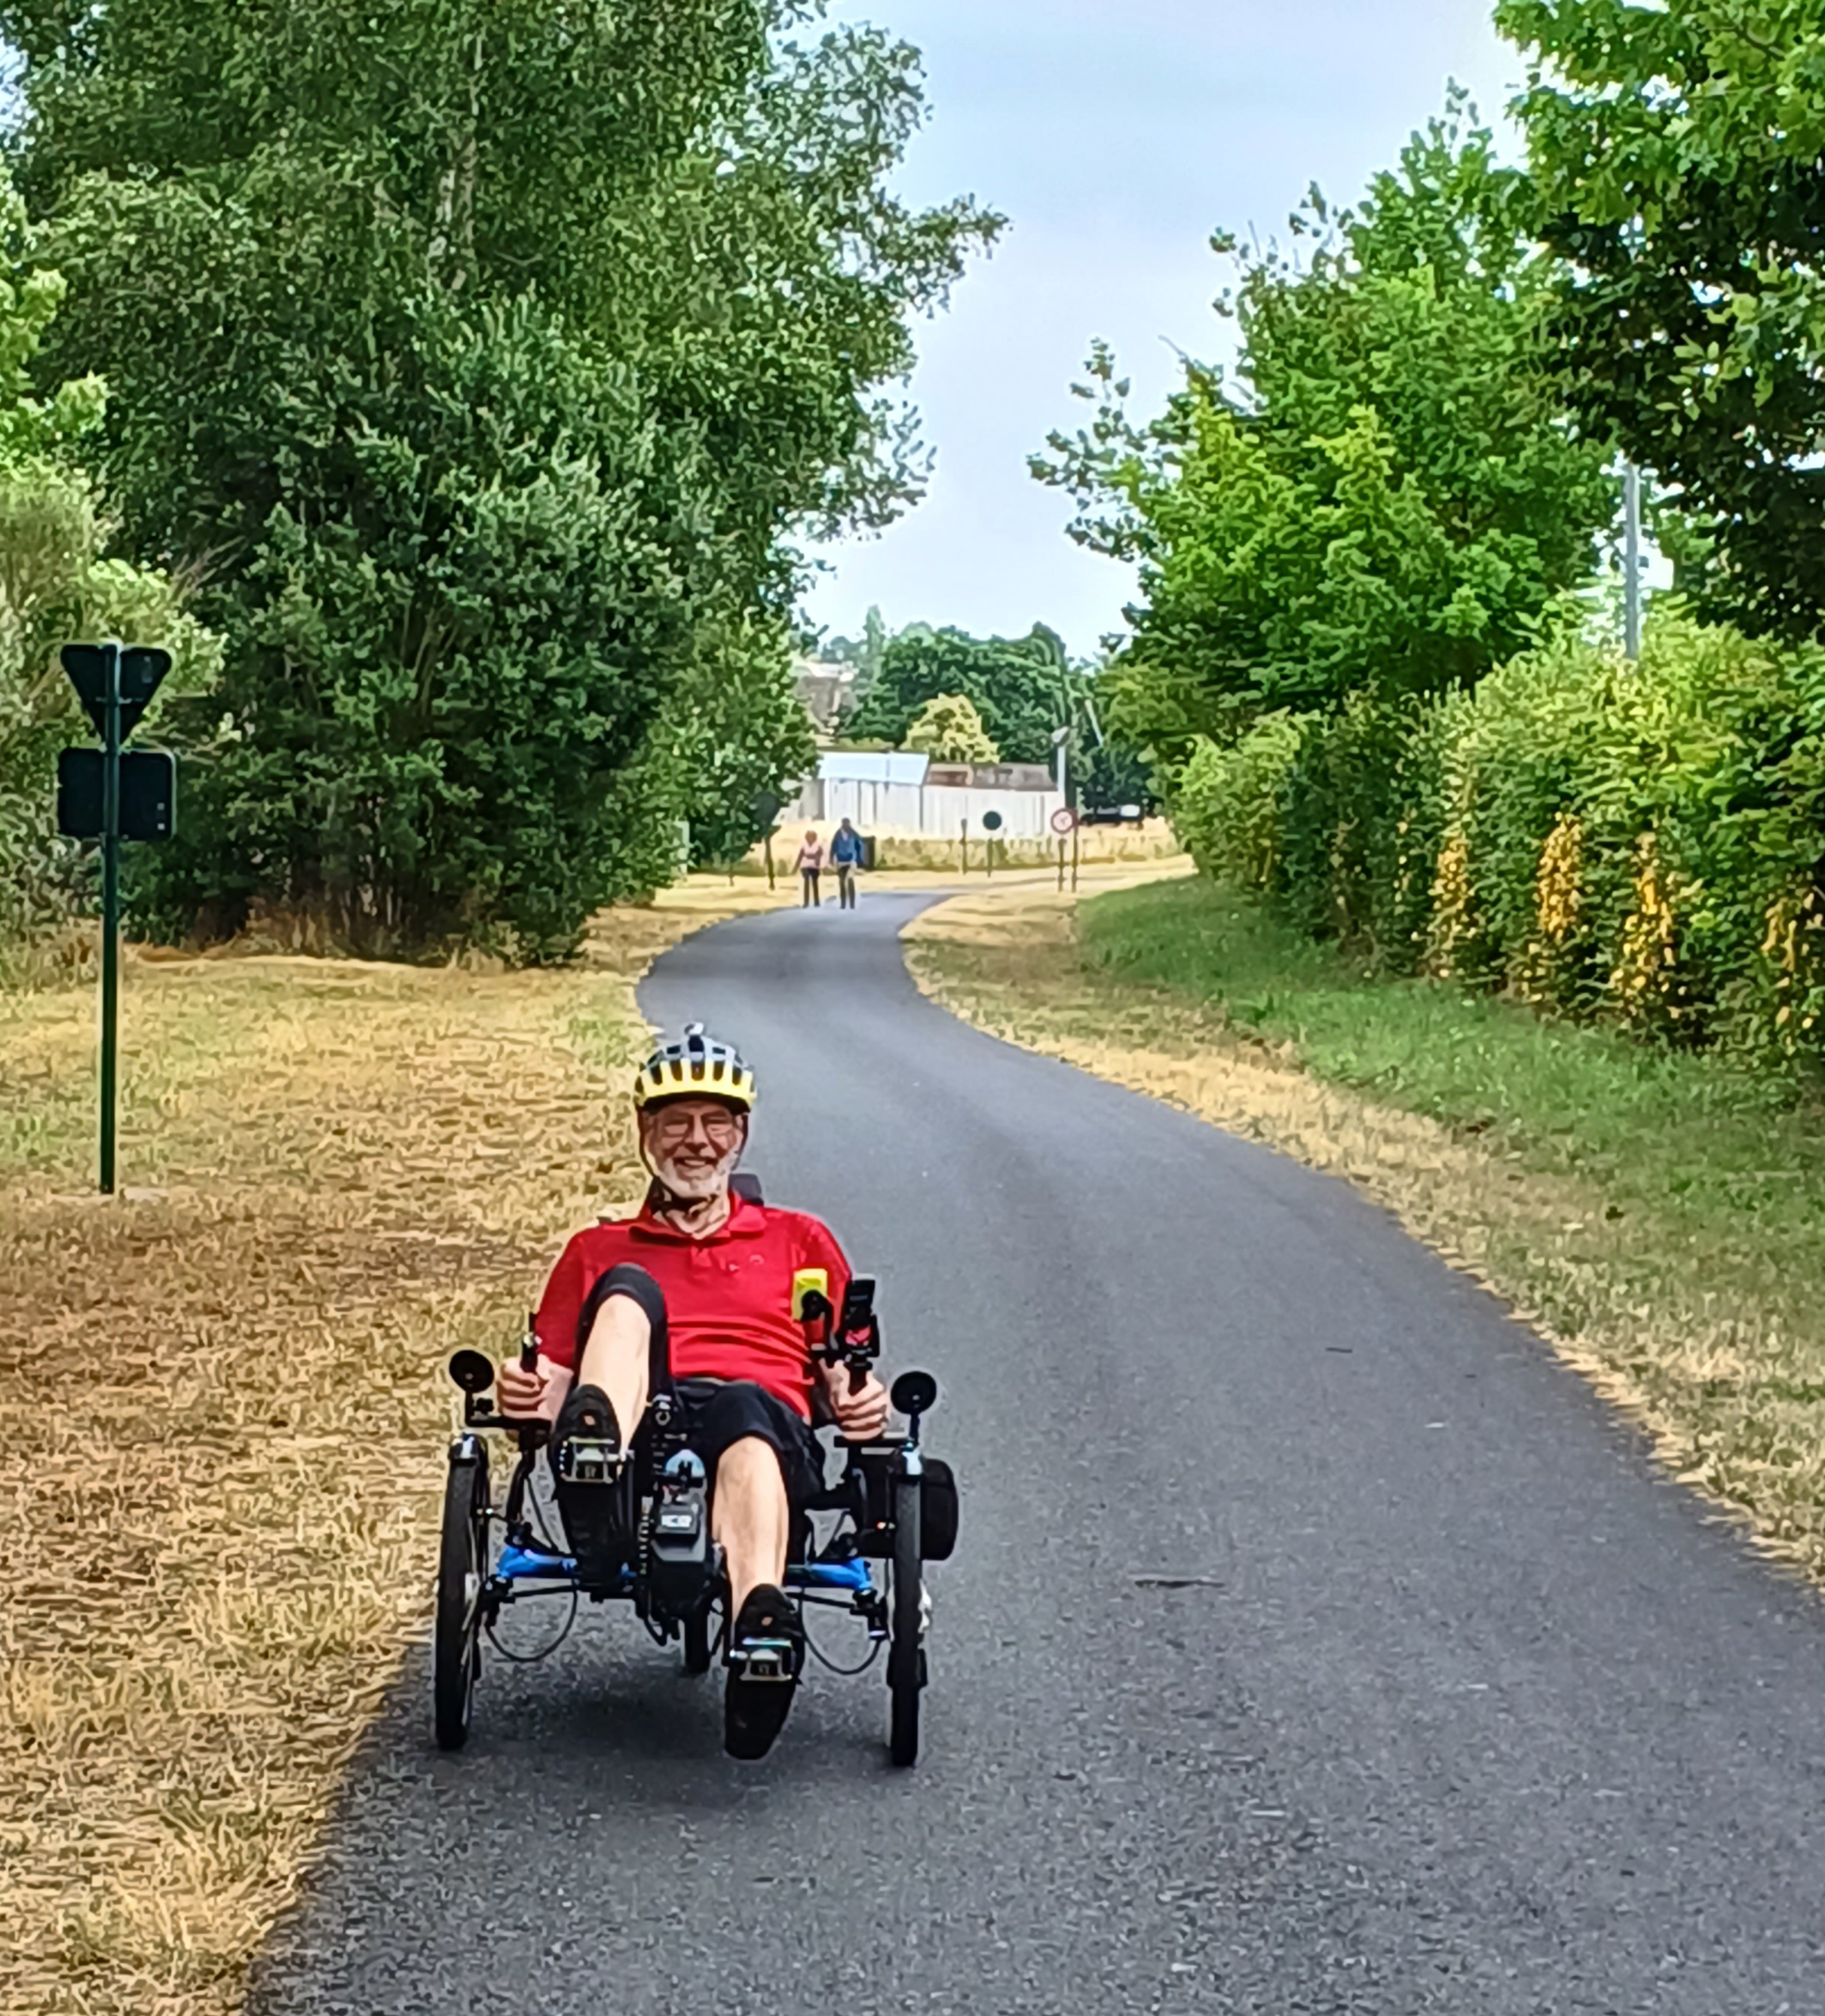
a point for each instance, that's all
(752, 1521)
(616, 1359)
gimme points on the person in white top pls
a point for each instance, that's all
(810, 867)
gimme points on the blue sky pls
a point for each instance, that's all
(1115, 138)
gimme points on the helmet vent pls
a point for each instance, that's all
(695, 1059)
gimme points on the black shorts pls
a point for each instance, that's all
(718, 1413)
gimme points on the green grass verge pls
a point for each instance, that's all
(1690, 1135)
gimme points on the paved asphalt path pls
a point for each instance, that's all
(1461, 1708)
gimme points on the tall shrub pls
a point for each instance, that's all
(1643, 843)
(1646, 840)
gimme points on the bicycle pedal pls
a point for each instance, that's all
(582, 1461)
(765, 1659)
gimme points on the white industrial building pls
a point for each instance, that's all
(895, 791)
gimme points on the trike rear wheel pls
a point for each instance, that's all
(462, 1569)
(906, 1652)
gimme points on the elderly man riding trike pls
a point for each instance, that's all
(674, 1377)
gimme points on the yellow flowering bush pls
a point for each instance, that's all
(1648, 989)
(1549, 969)
(1454, 926)
(1794, 945)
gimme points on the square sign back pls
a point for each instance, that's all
(149, 794)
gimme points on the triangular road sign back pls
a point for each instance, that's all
(142, 670)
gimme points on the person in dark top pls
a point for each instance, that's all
(845, 858)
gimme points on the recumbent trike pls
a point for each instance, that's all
(895, 1505)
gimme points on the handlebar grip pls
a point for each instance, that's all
(529, 1347)
(858, 1376)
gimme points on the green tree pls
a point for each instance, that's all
(1383, 496)
(56, 584)
(1676, 153)
(487, 356)
(948, 729)
(1018, 686)
(873, 650)
(735, 731)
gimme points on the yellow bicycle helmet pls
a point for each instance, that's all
(696, 1067)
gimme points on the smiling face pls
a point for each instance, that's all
(693, 1146)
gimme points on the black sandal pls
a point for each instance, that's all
(766, 1649)
(588, 1463)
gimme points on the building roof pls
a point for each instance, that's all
(872, 766)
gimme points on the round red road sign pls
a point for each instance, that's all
(1063, 819)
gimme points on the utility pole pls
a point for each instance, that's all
(1632, 563)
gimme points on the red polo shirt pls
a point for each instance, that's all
(728, 1297)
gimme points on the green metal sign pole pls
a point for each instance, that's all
(110, 974)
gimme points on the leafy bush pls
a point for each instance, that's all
(1228, 805)
(1360, 827)
(1645, 843)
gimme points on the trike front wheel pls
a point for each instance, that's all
(462, 1567)
(906, 1652)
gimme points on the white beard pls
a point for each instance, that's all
(700, 1185)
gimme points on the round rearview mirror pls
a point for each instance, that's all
(472, 1371)
(914, 1392)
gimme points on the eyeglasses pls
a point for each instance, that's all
(719, 1127)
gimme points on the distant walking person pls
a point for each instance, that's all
(810, 867)
(845, 858)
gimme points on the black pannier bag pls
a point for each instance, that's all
(938, 1511)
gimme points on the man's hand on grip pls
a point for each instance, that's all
(860, 1412)
(524, 1395)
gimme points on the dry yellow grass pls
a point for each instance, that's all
(1708, 1344)
(223, 1414)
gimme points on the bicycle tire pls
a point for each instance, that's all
(462, 1566)
(906, 1654)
